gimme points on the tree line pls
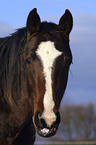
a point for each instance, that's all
(78, 122)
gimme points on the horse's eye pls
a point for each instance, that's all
(28, 61)
(68, 60)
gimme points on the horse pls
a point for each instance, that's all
(34, 67)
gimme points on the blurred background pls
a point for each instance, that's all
(78, 106)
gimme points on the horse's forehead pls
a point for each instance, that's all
(47, 51)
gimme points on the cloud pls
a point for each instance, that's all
(6, 29)
(82, 80)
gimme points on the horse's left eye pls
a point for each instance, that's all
(68, 60)
(28, 61)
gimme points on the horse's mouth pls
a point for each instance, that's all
(47, 132)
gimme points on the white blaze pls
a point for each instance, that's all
(47, 54)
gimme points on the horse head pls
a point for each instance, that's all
(48, 58)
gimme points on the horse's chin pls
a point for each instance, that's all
(47, 132)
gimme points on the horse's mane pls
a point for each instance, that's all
(11, 51)
(10, 60)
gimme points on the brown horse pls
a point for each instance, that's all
(34, 66)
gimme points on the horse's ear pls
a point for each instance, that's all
(66, 22)
(33, 23)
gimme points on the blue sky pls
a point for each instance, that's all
(15, 12)
(82, 78)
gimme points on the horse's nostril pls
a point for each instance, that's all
(40, 122)
(43, 123)
(57, 122)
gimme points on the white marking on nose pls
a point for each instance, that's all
(47, 54)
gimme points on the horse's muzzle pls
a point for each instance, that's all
(42, 128)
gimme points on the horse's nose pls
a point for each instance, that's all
(40, 120)
(43, 128)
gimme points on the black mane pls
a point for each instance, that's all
(10, 48)
(10, 58)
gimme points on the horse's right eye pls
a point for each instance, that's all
(28, 61)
